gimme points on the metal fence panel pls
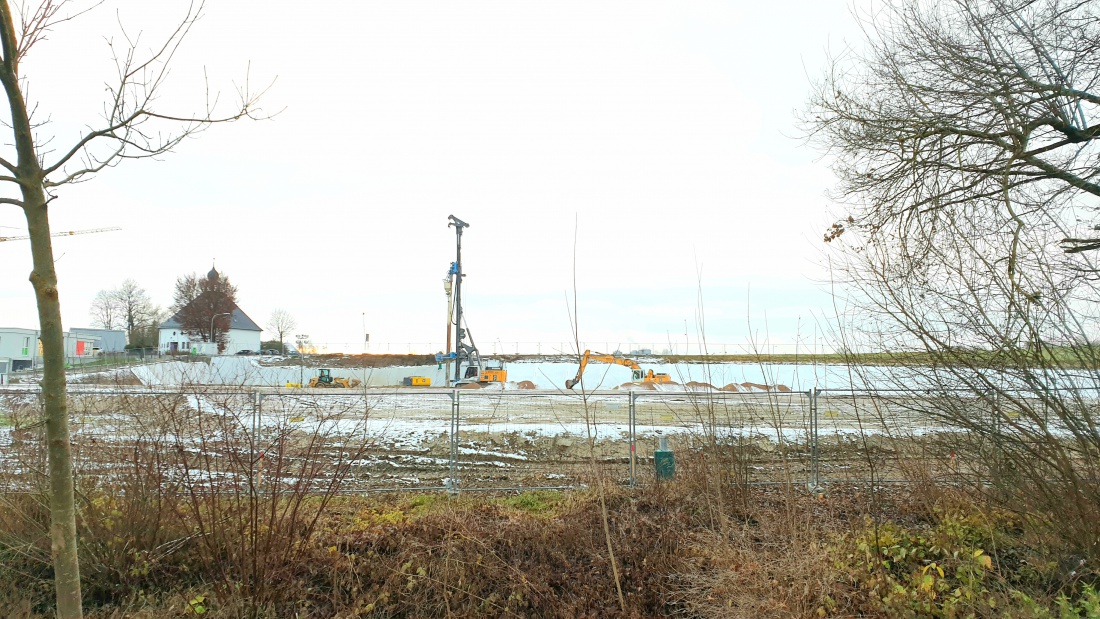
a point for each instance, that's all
(464, 440)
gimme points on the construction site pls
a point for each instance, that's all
(460, 419)
(196, 434)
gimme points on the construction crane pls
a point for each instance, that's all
(69, 233)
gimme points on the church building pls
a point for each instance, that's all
(243, 334)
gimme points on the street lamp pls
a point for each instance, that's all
(212, 328)
(300, 339)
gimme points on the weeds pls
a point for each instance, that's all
(221, 502)
(962, 564)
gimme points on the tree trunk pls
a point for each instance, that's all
(28, 174)
(62, 499)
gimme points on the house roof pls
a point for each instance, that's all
(242, 322)
(239, 321)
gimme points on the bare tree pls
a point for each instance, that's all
(966, 143)
(133, 302)
(203, 305)
(281, 322)
(147, 333)
(965, 105)
(131, 127)
(102, 310)
(1009, 384)
(127, 306)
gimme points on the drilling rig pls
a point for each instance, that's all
(465, 355)
(468, 365)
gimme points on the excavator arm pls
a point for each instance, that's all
(591, 356)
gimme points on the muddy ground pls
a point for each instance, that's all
(401, 439)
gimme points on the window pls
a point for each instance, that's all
(26, 346)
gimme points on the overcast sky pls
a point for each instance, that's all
(656, 137)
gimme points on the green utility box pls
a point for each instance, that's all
(666, 464)
(664, 460)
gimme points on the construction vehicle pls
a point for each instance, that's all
(416, 381)
(493, 374)
(325, 378)
(637, 374)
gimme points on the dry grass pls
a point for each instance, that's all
(778, 552)
(156, 542)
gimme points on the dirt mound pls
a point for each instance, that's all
(525, 384)
(731, 387)
(694, 384)
(780, 388)
(363, 361)
(469, 386)
(645, 386)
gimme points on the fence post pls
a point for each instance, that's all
(632, 431)
(452, 486)
(257, 460)
(257, 405)
(815, 466)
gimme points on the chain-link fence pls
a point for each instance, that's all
(463, 440)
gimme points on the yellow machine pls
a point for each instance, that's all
(416, 381)
(637, 375)
(325, 378)
(493, 375)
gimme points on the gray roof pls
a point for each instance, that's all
(110, 340)
(239, 321)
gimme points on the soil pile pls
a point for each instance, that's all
(638, 386)
(363, 361)
(750, 386)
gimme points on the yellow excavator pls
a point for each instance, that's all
(325, 378)
(637, 375)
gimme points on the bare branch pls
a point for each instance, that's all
(35, 25)
(131, 107)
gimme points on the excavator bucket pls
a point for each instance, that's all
(570, 383)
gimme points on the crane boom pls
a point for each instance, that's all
(637, 373)
(68, 233)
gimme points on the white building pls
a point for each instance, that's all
(24, 350)
(109, 340)
(243, 334)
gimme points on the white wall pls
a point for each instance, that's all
(14, 341)
(167, 336)
(236, 339)
(22, 345)
(241, 340)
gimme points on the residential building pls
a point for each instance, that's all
(243, 334)
(23, 348)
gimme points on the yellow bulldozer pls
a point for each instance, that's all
(637, 375)
(325, 379)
